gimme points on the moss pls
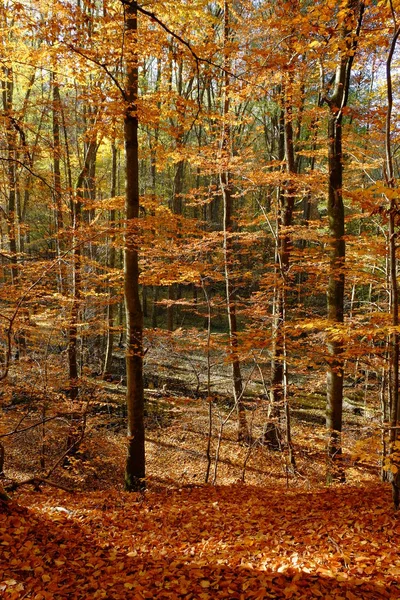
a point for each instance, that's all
(312, 401)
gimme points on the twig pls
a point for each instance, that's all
(16, 430)
(37, 481)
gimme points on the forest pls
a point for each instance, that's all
(199, 299)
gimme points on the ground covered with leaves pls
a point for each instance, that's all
(205, 542)
(258, 529)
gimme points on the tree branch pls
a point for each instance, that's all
(181, 40)
(102, 66)
(15, 431)
(36, 482)
(22, 164)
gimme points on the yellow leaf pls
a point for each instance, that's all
(205, 583)
(128, 585)
(290, 590)
(59, 563)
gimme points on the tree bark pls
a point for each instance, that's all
(278, 394)
(135, 462)
(73, 332)
(336, 225)
(11, 140)
(58, 213)
(225, 182)
(394, 342)
(111, 264)
(56, 114)
(335, 297)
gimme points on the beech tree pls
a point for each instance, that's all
(227, 199)
(337, 101)
(135, 463)
(394, 349)
(223, 109)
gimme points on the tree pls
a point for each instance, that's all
(225, 103)
(337, 101)
(394, 340)
(135, 462)
(227, 199)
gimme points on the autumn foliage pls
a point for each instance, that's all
(199, 280)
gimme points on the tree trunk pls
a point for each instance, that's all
(278, 395)
(111, 265)
(272, 434)
(394, 349)
(336, 282)
(154, 308)
(56, 113)
(11, 138)
(237, 388)
(59, 219)
(170, 307)
(73, 346)
(335, 297)
(135, 462)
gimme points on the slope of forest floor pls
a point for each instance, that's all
(262, 530)
(208, 542)
(178, 431)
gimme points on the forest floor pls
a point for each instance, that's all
(201, 543)
(255, 530)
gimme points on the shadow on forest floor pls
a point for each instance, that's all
(234, 542)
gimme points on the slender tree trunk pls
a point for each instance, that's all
(177, 207)
(336, 224)
(272, 435)
(286, 248)
(154, 308)
(135, 462)
(59, 219)
(209, 397)
(73, 335)
(170, 307)
(11, 138)
(82, 192)
(335, 298)
(226, 189)
(394, 340)
(278, 395)
(111, 264)
(56, 113)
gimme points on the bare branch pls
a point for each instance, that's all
(22, 164)
(36, 482)
(181, 40)
(102, 66)
(16, 430)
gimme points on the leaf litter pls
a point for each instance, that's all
(202, 543)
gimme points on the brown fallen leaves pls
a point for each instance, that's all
(233, 542)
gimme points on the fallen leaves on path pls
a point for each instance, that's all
(202, 543)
